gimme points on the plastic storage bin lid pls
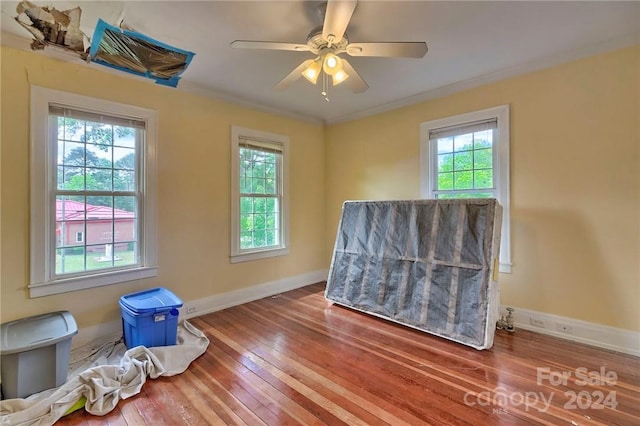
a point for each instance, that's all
(35, 332)
(150, 301)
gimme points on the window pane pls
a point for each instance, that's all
(271, 205)
(98, 133)
(463, 142)
(257, 185)
(99, 200)
(246, 205)
(483, 159)
(271, 221)
(482, 139)
(245, 184)
(124, 158)
(71, 153)
(463, 180)
(132, 253)
(124, 180)
(445, 145)
(270, 170)
(73, 129)
(72, 178)
(70, 260)
(99, 179)
(271, 237)
(458, 195)
(126, 205)
(259, 169)
(246, 240)
(270, 186)
(99, 208)
(463, 160)
(445, 181)
(260, 205)
(124, 136)
(483, 179)
(445, 162)
(259, 238)
(99, 156)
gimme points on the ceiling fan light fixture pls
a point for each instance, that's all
(332, 64)
(339, 77)
(312, 72)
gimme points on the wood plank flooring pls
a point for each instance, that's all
(296, 359)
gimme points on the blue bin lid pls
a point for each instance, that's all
(152, 300)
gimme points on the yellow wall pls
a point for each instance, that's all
(575, 185)
(193, 197)
(575, 181)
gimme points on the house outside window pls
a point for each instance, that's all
(93, 216)
(467, 156)
(259, 207)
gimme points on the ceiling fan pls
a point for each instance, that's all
(328, 42)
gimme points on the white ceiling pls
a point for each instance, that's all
(469, 43)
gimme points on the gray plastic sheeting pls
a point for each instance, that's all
(428, 264)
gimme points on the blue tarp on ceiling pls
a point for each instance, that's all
(138, 54)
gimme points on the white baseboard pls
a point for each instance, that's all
(218, 302)
(602, 336)
(193, 308)
(96, 333)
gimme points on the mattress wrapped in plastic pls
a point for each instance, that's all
(428, 264)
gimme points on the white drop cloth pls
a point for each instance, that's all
(104, 375)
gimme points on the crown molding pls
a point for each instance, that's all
(531, 66)
(23, 43)
(188, 87)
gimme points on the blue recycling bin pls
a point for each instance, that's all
(150, 318)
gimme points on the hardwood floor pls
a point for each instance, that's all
(296, 359)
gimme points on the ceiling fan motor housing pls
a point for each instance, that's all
(317, 43)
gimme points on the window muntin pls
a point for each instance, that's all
(96, 191)
(259, 194)
(464, 161)
(82, 178)
(467, 156)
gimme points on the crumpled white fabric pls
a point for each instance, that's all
(113, 373)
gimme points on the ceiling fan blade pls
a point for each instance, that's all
(354, 82)
(293, 75)
(269, 45)
(337, 18)
(399, 49)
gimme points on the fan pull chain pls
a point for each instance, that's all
(324, 93)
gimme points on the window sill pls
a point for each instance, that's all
(258, 254)
(86, 282)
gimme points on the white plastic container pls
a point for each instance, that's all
(35, 352)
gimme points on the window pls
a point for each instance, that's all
(467, 156)
(259, 194)
(92, 192)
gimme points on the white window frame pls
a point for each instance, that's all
(243, 255)
(43, 281)
(81, 235)
(428, 166)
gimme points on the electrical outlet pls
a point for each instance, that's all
(191, 309)
(564, 328)
(536, 322)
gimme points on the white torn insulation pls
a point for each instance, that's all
(50, 26)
